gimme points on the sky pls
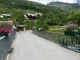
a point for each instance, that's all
(47, 1)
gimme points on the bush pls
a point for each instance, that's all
(72, 27)
(5, 27)
(38, 26)
(44, 26)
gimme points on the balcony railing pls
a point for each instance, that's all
(5, 44)
(70, 42)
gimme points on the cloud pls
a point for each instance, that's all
(70, 1)
(47, 1)
(42, 1)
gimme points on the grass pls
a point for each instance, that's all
(55, 27)
(58, 31)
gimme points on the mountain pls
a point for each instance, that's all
(65, 6)
(29, 5)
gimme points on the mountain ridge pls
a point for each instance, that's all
(65, 6)
(24, 4)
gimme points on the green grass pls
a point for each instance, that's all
(59, 31)
(55, 27)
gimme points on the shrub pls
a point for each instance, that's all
(72, 27)
(5, 27)
(44, 26)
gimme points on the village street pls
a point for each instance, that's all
(31, 47)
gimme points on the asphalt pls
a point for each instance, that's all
(27, 46)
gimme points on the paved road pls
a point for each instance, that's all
(30, 47)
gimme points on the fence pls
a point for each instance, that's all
(70, 42)
(5, 44)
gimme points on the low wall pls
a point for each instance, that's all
(5, 44)
(70, 42)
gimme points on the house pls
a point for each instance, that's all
(32, 16)
(5, 15)
(38, 14)
(1, 16)
(25, 16)
(20, 27)
(8, 15)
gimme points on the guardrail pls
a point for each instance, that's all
(70, 42)
(5, 44)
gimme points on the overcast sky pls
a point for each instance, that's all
(47, 1)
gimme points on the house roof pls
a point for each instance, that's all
(1, 16)
(20, 25)
(6, 14)
(29, 14)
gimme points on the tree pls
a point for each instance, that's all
(74, 17)
(20, 18)
(41, 23)
(29, 24)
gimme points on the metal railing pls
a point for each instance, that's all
(5, 44)
(70, 42)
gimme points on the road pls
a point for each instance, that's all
(31, 47)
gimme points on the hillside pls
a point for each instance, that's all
(50, 15)
(23, 4)
(65, 6)
(19, 7)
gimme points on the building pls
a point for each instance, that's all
(1, 16)
(20, 27)
(32, 16)
(5, 15)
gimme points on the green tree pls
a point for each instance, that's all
(20, 18)
(41, 23)
(74, 17)
(29, 24)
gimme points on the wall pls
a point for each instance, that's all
(5, 44)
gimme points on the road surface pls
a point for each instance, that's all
(31, 47)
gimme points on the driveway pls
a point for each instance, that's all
(31, 47)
